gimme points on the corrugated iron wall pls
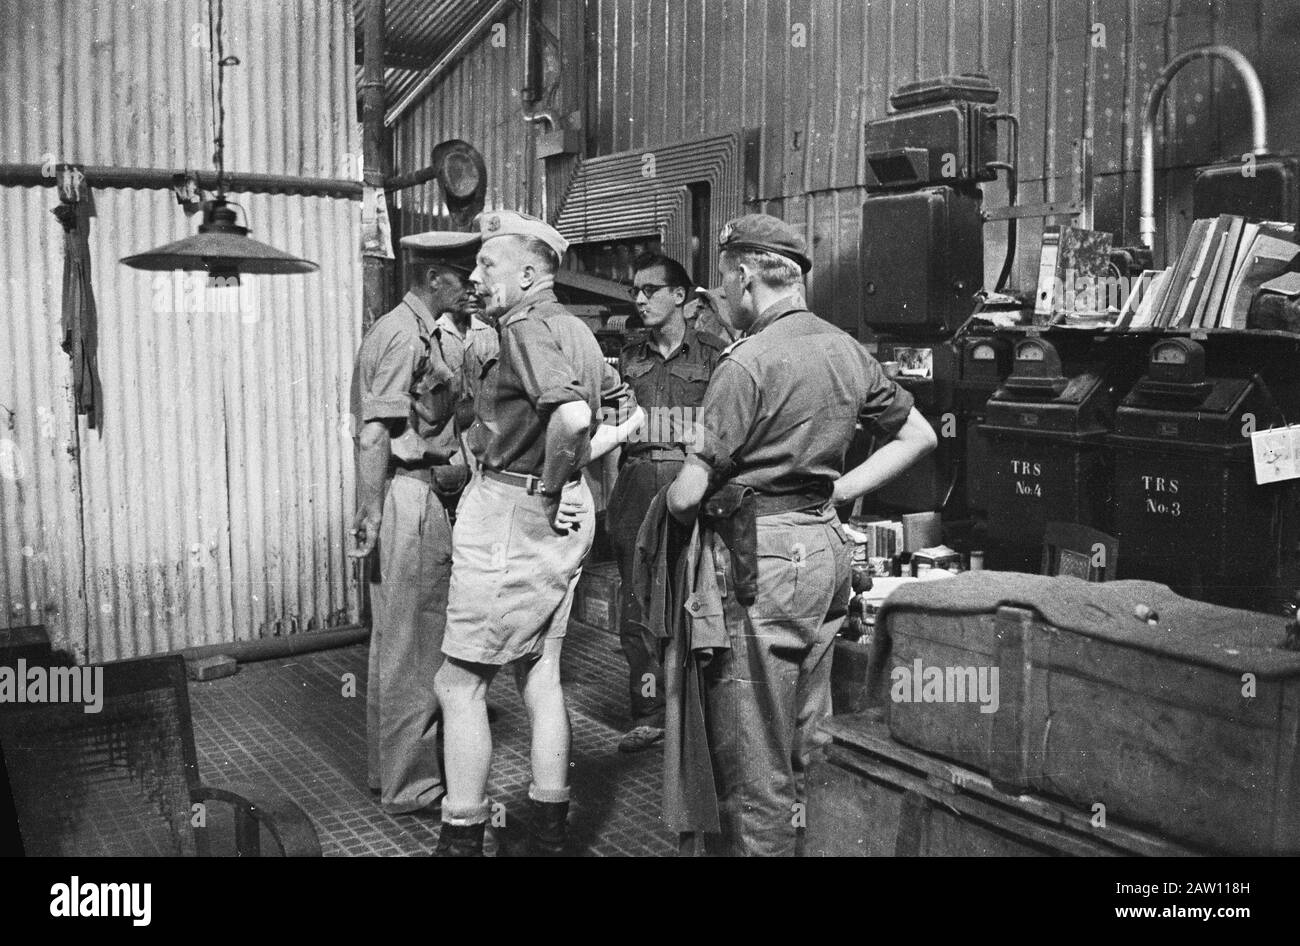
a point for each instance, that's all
(211, 504)
(809, 73)
(478, 102)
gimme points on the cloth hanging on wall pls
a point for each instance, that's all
(79, 320)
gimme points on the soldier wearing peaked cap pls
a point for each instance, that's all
(403, 399)
(778, 417)
(523, 530)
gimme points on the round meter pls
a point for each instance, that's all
(1168, 354)
(984, 353)
(1177, 360)
(1038, 366)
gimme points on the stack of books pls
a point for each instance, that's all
(1223, 264)
(883, 538)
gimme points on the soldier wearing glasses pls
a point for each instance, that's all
(669, 372)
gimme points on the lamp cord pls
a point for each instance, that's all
(219, 61)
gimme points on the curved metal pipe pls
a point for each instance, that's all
(542, 115)
(1012, 168)
(1258, 123)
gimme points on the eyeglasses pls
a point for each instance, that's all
(649, 289)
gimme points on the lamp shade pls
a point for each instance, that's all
(221, 248)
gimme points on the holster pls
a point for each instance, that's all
(730, 513)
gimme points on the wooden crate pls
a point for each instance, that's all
(595, 601)
(873, 797)
(1160, 740)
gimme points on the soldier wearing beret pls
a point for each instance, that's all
(523, 529)
(403, 398)
(778, 417)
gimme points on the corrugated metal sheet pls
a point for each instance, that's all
(477, 102)
(641, 192)
(126, 83)
(40, 484)
(211, 505)
(417, 33)
(809, 74)
(213, 499)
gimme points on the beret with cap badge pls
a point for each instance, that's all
(767, 234)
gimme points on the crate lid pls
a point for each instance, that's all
(1196, 632)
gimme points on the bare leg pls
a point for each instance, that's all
(539, 684)
(467, 737)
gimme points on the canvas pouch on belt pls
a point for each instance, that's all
(730, 513)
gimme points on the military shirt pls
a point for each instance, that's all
(785, 399)
(548, 357)
(705, 312)
(670, 389)
(468, 353)
(400, 375)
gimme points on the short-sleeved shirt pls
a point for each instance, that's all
(468, 352)
(400, 374)
(548, 357)
(671, 389)
(785, 399)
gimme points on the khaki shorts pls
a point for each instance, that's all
(512, 575)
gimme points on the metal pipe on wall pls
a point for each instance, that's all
(36, 175)
(1258, 123)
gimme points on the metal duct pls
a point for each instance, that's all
(613, 197)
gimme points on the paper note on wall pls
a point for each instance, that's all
(1275, 453)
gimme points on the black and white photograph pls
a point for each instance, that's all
(652, 428)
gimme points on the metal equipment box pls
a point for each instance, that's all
(922, 260)
(1048, 457)
(942, 132)
(1187, 509)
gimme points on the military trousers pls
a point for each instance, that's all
(638, 483)
(409, 611)
(766, 696)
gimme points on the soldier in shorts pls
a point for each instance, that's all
(523, 530)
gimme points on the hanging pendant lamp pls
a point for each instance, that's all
(222, 248)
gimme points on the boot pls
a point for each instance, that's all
(548, 828)
(460, 840)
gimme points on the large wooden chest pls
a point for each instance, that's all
(1186, 724)
(870, 796)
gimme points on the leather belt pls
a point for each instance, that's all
(765, 505)
(657, 454)
(525, 481)
(420, 471)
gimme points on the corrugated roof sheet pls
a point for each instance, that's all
(417, 33)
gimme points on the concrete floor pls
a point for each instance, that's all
(286, 723)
